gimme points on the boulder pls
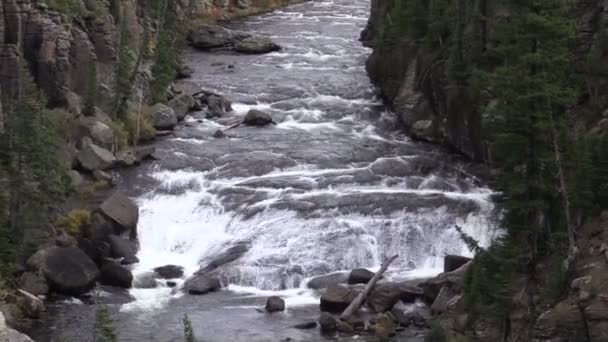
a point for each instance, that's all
(30, 305)
(423, 130)
(76, 179)
(129, 260)
(10, 335)
(454, 262)
(454, 280)
(219, 134)
(360, 276)
(257, 118)
(202, 284)
(336, 298)
(145, 280)
(385, 326)
(327, 280)
(125, 158)
(120, 248)
(440, 304)
(385, 295)
(205, 37)
(163, 117)
(97, 250)
(231, 254)
(121, 211)
(181, 105)
(275, 304)
(92, 157)
(68, 270)
(328, 323)
(114, 274)
(103, 176)
(256, 45)
(217, 106)
(170, 272)
(99, 132)
(34, 284)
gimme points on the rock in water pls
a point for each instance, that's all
(327, 280)
(68, 270)
(114, 274)
(275, 304)
(336, 298)
(92, 157)
(181, 105)
(163, 117)
(122, 211)
(217, 106)
(202, 284)
(219, 134)
(170, 271)
(256, 45)
(385, 295)
(257, 118)
(305, 326)
(360, 276)
(328, 323)
(207, 37)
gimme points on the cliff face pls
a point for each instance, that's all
(416, 77)
(413, 79)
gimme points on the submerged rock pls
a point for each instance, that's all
(328, 323)
(306, 325)
(256, 45)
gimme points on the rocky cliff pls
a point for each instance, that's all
(415, 81)
(417, 77)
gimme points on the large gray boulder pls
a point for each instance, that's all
(336, 298)
(257, 118)
(256, 45)
(92, 157)
(163, 117)
(181, 105)
(217, 106)
(121, 211)
(207, 37)
(10, 335)
(68, 270)
(202, 284)
(100, 133)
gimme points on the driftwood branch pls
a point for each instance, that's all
(358, 301)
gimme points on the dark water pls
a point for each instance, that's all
(334, 186)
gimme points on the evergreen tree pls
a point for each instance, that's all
(188, 331)
(91, 92)
(104, 326)
(124, 72)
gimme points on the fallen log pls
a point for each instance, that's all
(358, 301)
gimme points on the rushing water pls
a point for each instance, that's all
(334, 186)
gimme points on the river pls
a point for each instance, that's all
(335, 185)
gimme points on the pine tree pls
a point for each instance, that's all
(91, 92)
(188, 331)
(123, 77)
(104, 326)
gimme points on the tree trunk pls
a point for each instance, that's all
(357, 302)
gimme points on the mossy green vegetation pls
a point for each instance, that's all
(75, 221)
(105, 330)
(188, 331)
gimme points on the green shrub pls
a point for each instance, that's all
(104, 326)
(188, 331)
(75, 221)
